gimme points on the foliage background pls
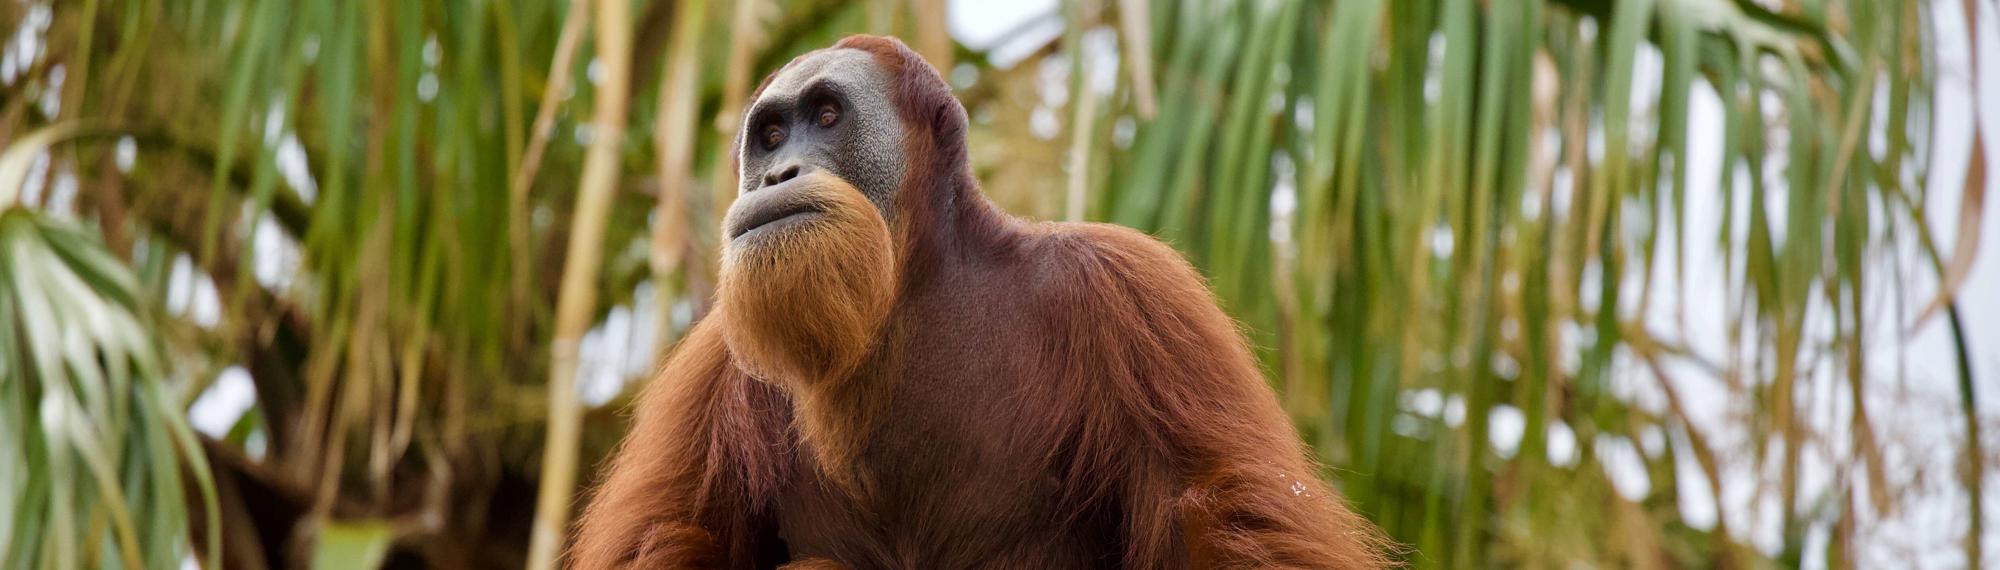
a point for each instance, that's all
(1636, 283)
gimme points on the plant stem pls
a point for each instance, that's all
(577, 299)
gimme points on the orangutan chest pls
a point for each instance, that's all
(957, 490)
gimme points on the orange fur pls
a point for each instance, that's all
(1188, 399)
(963, 390)
(695, 469)
(807, 308)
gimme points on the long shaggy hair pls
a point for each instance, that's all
(806, 304)
(1094, 355)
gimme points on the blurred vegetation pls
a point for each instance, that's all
(399, 218)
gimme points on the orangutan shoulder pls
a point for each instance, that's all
(1094, 267)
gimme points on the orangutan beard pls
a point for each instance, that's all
(806, 295)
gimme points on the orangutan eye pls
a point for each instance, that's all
(773, 136)
(828, 115)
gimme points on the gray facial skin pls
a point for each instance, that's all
(863, 146)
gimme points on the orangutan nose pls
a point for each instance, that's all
(784, 172)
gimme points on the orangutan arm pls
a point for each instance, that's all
(679, 491)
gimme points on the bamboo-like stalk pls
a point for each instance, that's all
(577, 298)
(881, 16)
(933, 39)
(745, 40)
(575, 21)
(574, 24)
(674, 139)
(1082, 124)
(1135, 25)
